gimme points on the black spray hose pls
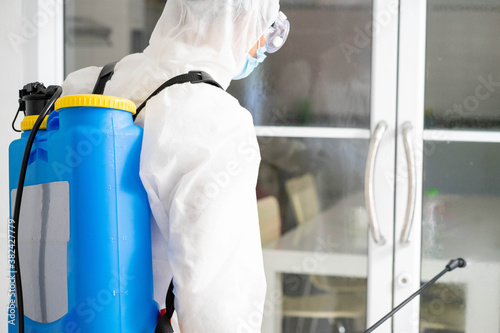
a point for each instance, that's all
(17, 207)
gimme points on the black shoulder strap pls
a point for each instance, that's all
(105, 75)
(192, 76)
(169, 301)
(164, 325)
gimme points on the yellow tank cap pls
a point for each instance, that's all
(29, 121)
(99, 101)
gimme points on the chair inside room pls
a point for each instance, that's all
(303, 197)
(337, 299)
(269, 219)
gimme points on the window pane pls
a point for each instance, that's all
(93, 39)
(335, 169)
(463, 76)
(318, 185)
(321, 76)
(461, 206)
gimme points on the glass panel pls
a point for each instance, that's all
(463, 76)
(321, 76)
(93, 39)
(328, 171)
(318, 185)
(461, 206)
(318, 303)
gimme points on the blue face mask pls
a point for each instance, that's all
(252, 63)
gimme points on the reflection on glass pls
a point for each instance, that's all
(461, 206)
(321, 76)
(463, 76)
(309, 176)
(442, 308)
(317, 303)
(318, 189)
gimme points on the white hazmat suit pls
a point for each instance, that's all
(199, 161)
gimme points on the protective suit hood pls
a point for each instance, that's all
(210, 35)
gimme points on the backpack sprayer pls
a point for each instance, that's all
(84, 241)
(82, 238)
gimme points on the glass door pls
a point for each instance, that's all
(324, 109)
(449, 86)
(461, 184)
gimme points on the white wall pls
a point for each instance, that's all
(28, 27)
(11, 73)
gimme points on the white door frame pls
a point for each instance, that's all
(411, 91)
(383, 109)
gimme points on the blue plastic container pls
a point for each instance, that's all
(84, 231)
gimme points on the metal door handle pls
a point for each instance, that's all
(378, 134)
(412, 189)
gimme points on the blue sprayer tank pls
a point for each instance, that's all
(84, 231)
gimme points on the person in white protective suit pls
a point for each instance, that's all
(200, 158)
